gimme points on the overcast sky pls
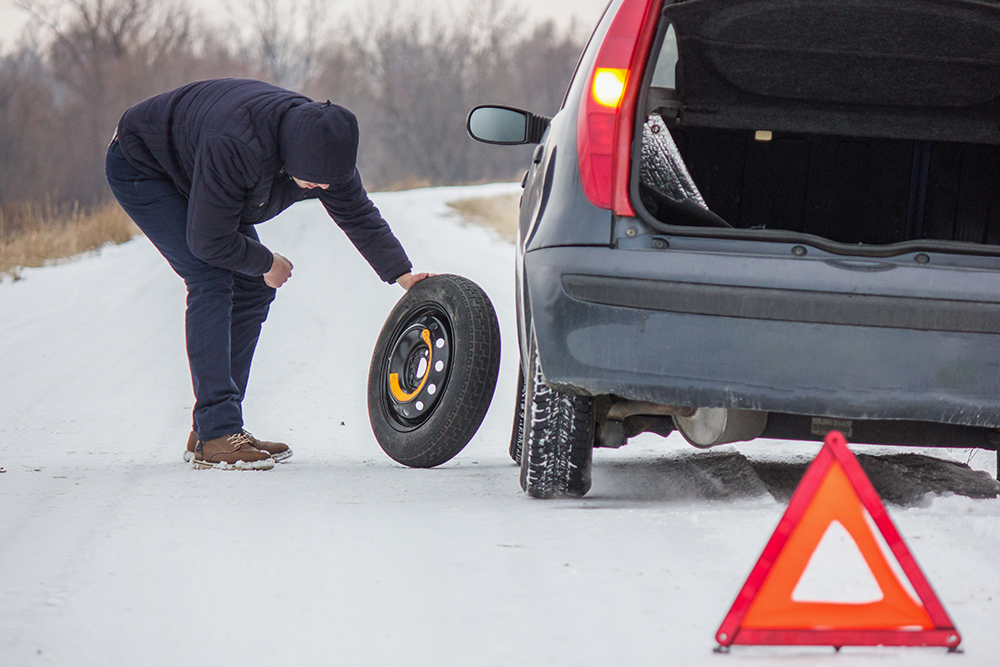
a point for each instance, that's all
(587, 11)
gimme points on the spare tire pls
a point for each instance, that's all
(434, 370)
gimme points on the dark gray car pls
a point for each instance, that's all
(761, 218)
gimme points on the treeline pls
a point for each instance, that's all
(411, 78)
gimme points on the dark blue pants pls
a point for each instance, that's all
(225, 309)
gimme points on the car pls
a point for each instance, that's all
(761, 218)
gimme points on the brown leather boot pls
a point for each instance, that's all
(279, 451)
(231, 452)
(191, 446)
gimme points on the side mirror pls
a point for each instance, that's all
(506, 126)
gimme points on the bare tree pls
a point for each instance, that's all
(96, 42)
(542, 64)
(26, 120)
(281, 38)
(410, 77)
(420, 73)
(103, 55)
(417, 75)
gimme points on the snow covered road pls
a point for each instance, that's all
(114, 552)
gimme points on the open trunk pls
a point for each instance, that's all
(864, 123)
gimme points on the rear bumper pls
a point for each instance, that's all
(767, 332)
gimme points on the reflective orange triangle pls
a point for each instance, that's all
(773, 607)
(835, 488)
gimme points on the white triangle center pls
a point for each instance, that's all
(837, 572)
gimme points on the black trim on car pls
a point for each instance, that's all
(818, 242)
(784, 426)
(812, 307)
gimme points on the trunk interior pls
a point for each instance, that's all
(868, 122)
(846, 189)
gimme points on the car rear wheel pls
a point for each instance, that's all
(558, 442)
(434, 370)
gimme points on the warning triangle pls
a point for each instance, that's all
(836, 495)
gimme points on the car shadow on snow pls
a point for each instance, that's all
(904, 480)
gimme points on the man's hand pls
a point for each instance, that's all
(408, 280)
(281, 270)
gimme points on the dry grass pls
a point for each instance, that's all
(44, 237)
(411, 182)
(497, 213)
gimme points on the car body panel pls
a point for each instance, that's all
(569, 218)
(660, 354)
(765, 319)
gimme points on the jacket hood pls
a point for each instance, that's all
(318, 142)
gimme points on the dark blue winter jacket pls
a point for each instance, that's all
(218, 142)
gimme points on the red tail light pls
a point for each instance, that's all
(607, 109)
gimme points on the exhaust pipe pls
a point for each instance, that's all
(708, 427)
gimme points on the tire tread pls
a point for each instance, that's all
(558, 442)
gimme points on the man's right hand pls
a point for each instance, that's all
(281, 270)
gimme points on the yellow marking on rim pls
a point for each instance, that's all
(394, 386)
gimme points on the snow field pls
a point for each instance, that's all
(114, 552)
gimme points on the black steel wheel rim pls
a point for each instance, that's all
(416, 371)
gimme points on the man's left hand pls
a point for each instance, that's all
(408, 280)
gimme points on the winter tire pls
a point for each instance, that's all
(434, 370)
(558, 445)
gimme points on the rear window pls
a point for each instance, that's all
(665, 71)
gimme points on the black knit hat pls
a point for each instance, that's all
(319, 142)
